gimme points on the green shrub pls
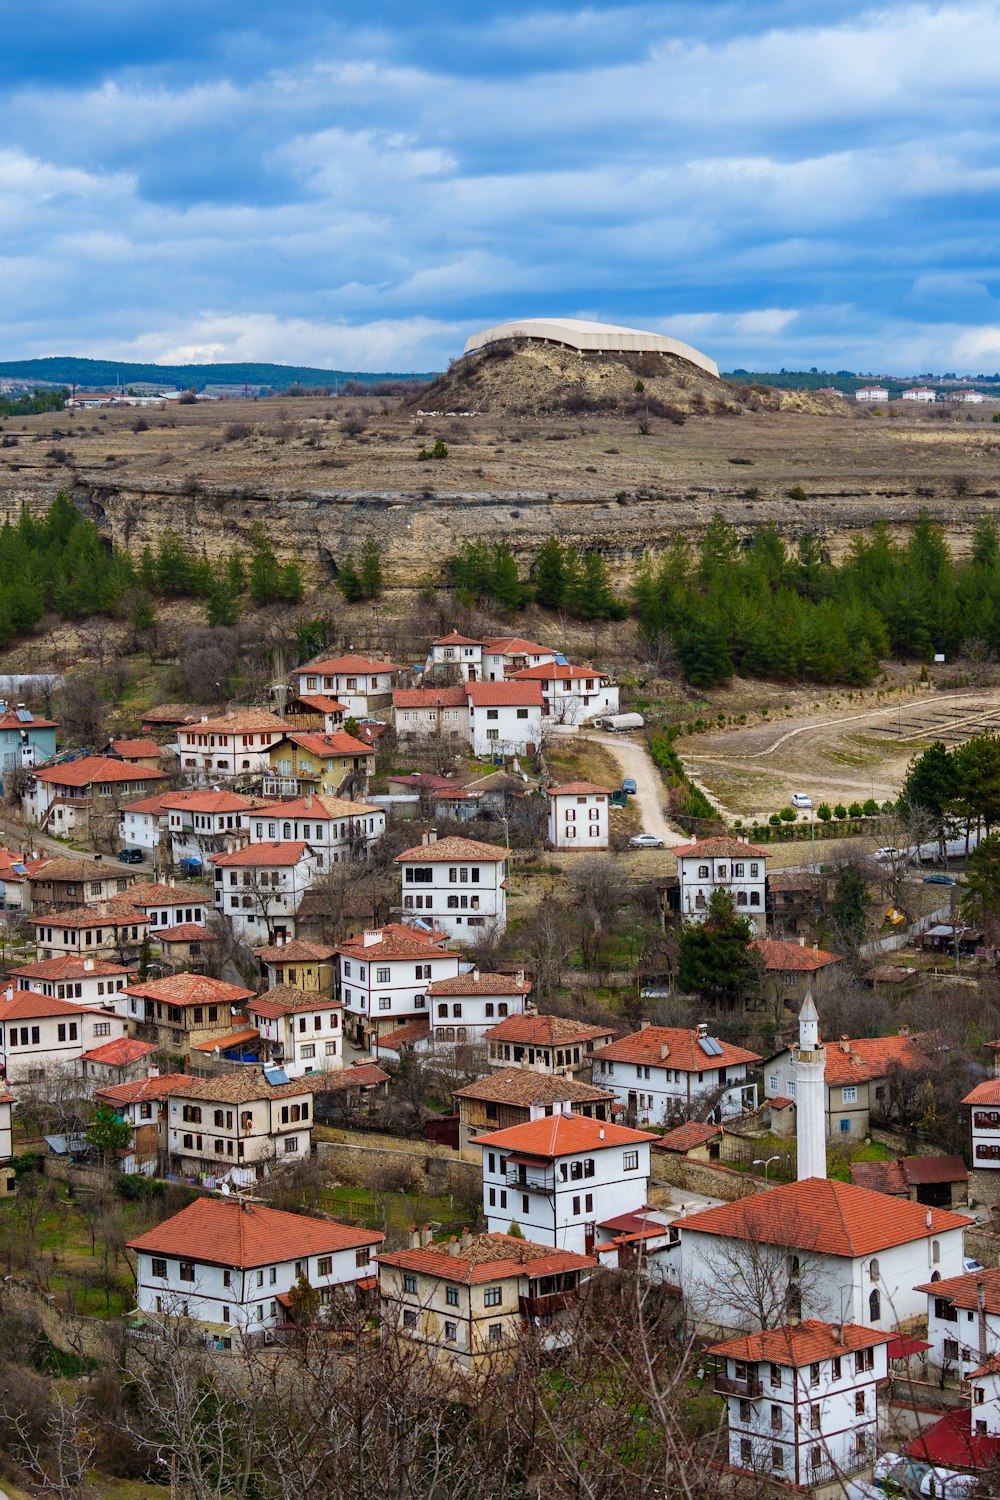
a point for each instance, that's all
(840, 812)
(855, 810)
(824, 812)
(870, 809)
(788, 815)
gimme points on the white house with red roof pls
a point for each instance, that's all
(333, 827)
(142, 1104)
(470, 1303)
(818, 1249)
(110, 929)
(61, 798)
(457, 885)
(142, 823)
(233, 745)
(301, 1032)
(722, 864)
(855, 1081)
(87, 981)
(384, 976)
(561, 1177)
(260, 886)
(41, 1036)
(802, 1399)
(667, 1073)
(963, 1321)
(966, 1438)
(206, 822)
(505, 718)
(228, 1266)
(431, 710)
(579, 816)
(168, 904)
(983, 1104)
(460, 653)
(571, 695)
(360, 683)
(464, 1007)
(505, 655)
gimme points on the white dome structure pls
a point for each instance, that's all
(585, 337)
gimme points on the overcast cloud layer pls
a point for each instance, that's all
(207, 181)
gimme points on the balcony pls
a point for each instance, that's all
(749, 1389)
(543, 1307)
(530, 1184)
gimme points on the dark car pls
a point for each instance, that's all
(628, 785)
(939, 880)
(131, 856)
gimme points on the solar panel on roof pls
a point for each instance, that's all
(709, 1045)
(25, 715)
(275, 1075)
(561, 661)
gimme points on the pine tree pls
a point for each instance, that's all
(549, 574)
(291, 588)
(349, 581)
(265, 572)
(370, 571)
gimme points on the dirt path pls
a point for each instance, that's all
(633, 758)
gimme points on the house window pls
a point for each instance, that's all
(450, 1332)
(874, 1306)
(186, 1271)
(409, 1318)
(814, 1417)
(495, 1332)
(159, 1267)
(493, 1296)
(410, 1285)
(324, 1266)
(859, 1403)
(746, 1452)
(849, 1095)
(451, 1296)
(777, 1459)
(630, 1161)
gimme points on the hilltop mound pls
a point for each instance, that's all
(518, 377)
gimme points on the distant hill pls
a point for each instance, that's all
(847, 381)
(97, 373)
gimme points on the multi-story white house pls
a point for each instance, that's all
(922, 393)
(505, 718)
(463, 1008)
(984, 1122)
(204, 823)
(384, 976)
(167, 904)
(110, 930)
(559, 1178)
(505, 655)
(963, 1321)
(579, 816)
(233, 745)
(141, 824)
(722, 864)
(63, 797)
(87, 981)
(571, 695)
(815, 1249)
(458, 885)
(668, 1073)
(142, 1104)
(301, 1032)
(237, 1126)
(229, 1266)
(471, 1303)
(802, 1400)
(333, 827)
(432, 710)
(260, 886)
(458, 652)
(41, 1037)
(869, 394)
(548, 1044)
(359, 683)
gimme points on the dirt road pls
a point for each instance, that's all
(633, 758)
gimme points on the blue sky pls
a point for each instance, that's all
(358, 187)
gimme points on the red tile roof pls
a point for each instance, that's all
(406, 1035)
(962, 1291)
(505, 694)
(447, 697)
(246, 721)
(327, 746)
(523, 1087)
(261, 855)
(29, 1005)
(578, 789)
(515, 645)
(133, 749)
(793, 958)
(987, 1092)
(545, 1031)
(187, 932)
(225, 1233)
(68, 968)
(210, 802)
(395, 940)
(867, 1057)
(880, 1177)
(339, 1080)
(190, 989)
(111, 914)
(283, 999)
(294, 951)
(454, 639)
(95, 769)
(227, 1039)
(364, 665)
(489, 1257)
(554, 672)
(928, 1169)
(562, 1135)
(479, 984)
(832, 1218)
(153, 893)
(323, 704)
(687, 1136)
(10, 720)
(804, 1343)
(159, 802)
(142, 1088)
(319, 807)
(953, 1442)
(720, 848)
(682, 1050)
(451, 848)
(120, 1053)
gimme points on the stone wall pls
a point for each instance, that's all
(710, 1178)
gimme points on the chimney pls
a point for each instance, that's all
(88, 964)
(845, 1045)
(278, 940)
(601, 1133)
(930, 1219)
(643, 1025)
(414, 1237)
(664, 1050)
(836, 1333)
(308, 799)
(426, 1237)
(466, 1239)
(371, 937)
(904, 1031)
(424, 840)
(98, 858)
(432, 836)
(815, 947)
(152, 1071)
(802, 939)
(453, 1246)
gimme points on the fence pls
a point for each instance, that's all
(896, 940)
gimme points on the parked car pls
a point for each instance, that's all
(645, 841)
(939, 880)
(131, 856)
(801, 799)
(629, 786)
(971, 1266)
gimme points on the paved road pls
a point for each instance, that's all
(634, 760)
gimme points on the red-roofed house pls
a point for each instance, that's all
(117, 1062)
(455, 653)
(770, 1381)
(854, 1084)
(470, 1302)
(359, 682)
(984, 1122)
(206, 822)
(549, 1044)
(229, 1266)
(458, 885)
(140, 752)
(180, 1009)
(463, 1007)
(560, 1177)
(309, 966)
(722, 864)
(384, 975)
(963, 1321)
(259, 887)
(571, 695)
(333, 827)
(820, 1248)
(41, 1037)
(664, 1073)
(63, 797)
(236, 744)
(792, 969)
(142, 1104)
(328, 763)
(505, 718)
(301, 1032)
(578, 816)
(88, 981)
(430, 710)
(505, 655)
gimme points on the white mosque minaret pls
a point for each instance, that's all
(809, 1064)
